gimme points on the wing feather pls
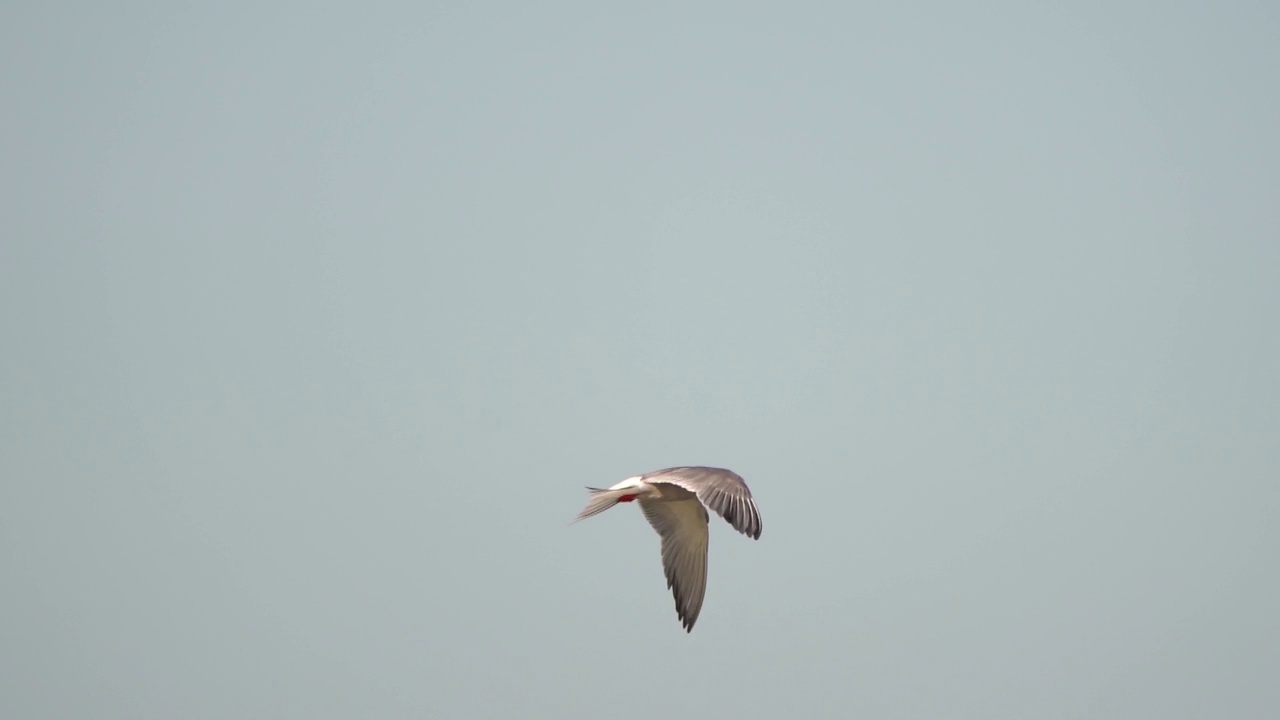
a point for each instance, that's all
(723, 491)
(682, 525)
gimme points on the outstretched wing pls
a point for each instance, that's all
(682, 525)
(724, 491)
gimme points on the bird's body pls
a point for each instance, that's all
(675, 502)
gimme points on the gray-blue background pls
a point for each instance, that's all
(315, 320)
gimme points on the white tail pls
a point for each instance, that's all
(600, 501)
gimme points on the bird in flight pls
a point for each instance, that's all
(675, 502)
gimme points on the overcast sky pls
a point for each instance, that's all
(315, 321)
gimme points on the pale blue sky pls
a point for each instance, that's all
(316, 321)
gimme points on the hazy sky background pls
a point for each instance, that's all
(315, 321)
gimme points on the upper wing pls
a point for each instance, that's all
(682, 524)
(724, 491)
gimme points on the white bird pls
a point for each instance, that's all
(675, 503)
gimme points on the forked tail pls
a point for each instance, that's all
(600, 501)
